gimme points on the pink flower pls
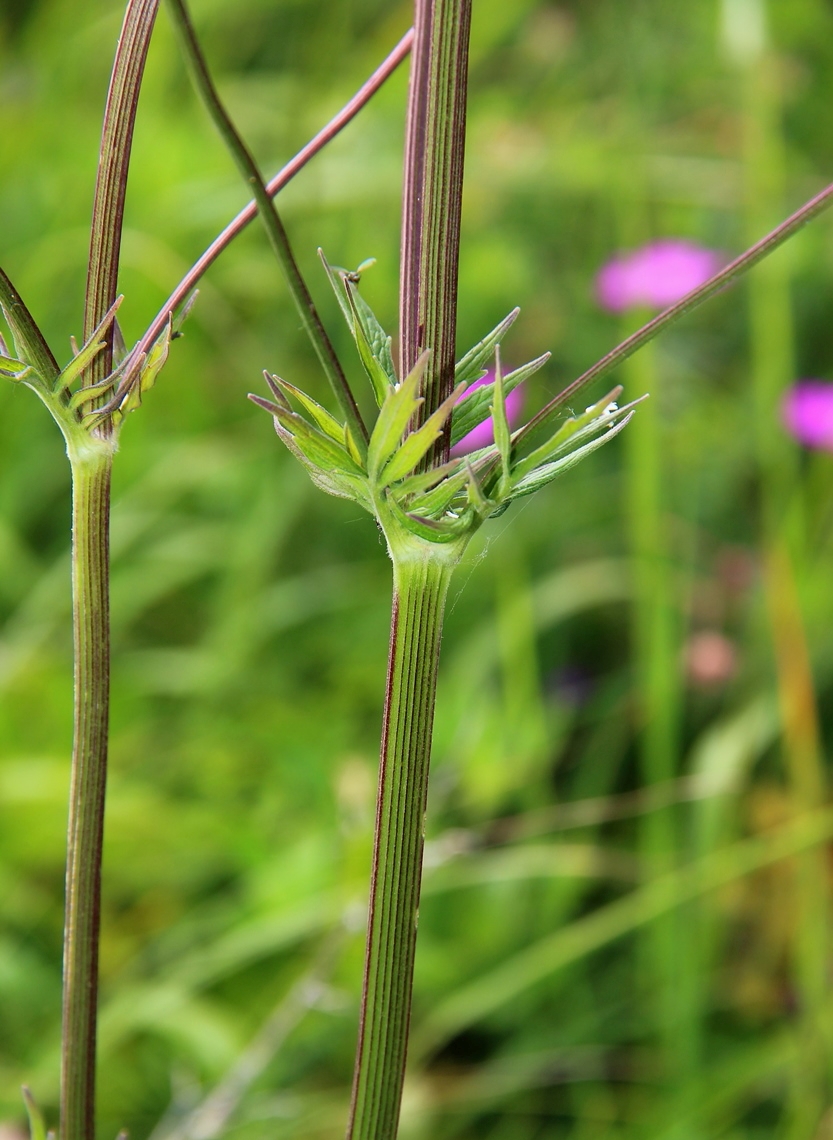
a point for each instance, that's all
(654, 276)
(807, 411)
(483, 434)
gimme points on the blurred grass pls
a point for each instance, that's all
(250, 615)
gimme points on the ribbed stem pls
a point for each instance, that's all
(433, 192)
(90, 572)
(420, 588)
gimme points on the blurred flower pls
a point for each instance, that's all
(807, 411)
(654, 276)
(711, 659)
(483, 434)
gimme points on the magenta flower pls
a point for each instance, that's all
(654, 276)
(483, 434)
(807, 411)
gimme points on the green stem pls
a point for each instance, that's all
(421, 577)
(90, 607)
(91, 458)
(278, 239)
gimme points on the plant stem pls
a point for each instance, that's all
(278, 239)
(111, 180)
(420, 586)
(91, 627)
(91, 461)
(692, 300)
(434, 153)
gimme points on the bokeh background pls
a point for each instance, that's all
(624, 928)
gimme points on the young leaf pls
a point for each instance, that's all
(470, 368)
(85, 355)
(422, 482)
(147, 370)
(396, 413)
(360, 318)
(37, 1128)
(590, 421)
(318, 448)
(482, 506)
(380, 382)
(416, 445)
(439, 530)
(352, 446)
(11, 368)
(336, 277)
(378, 339)
(437, 501)
(550, 471)
(502, 431)
(319, 416)
(336, 483)
(473, 409)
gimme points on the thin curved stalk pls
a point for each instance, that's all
(236, 226)
(278, 239)
(692, 300)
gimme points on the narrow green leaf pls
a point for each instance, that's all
(268, 405)
(37, 1127)
(432, 530)
(416, 445)
(359, 315)
(320, 416)
(424, 480)
(572, 431)
(14, 368)
(396, 413)
(502, 431)
(148, 370)
(352, 447)
(471, 367)
(336, 278)
(318, 448)
(550, 471)
(29, 342)
(89, 351)
(379, 380)
(476, 498)
(438, 500)
(378, 339)
(88, 395)
(337, 483)
(473, 409)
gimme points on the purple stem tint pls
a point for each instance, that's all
(434, 154)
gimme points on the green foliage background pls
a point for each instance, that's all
(250, 614)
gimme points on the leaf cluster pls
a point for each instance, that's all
(448, 502)
(76, 405)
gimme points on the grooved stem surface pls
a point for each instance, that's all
(90, 524)
(111, 180)
(433, 192)
(420, 588)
